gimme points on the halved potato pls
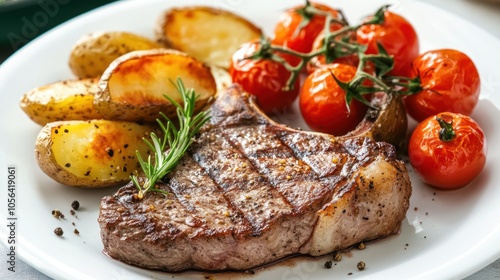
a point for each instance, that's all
(134, 85)
(93, 52)
(209, 34)
(387, 121)
(95, 153)
(222, 78)
(66, 100)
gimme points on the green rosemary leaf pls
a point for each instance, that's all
(169, 149)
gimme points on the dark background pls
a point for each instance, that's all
(23, 20)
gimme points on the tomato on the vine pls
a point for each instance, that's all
(447, 150)
(323, 102)
(291, 32)
(263, 77)
(396, 35)
(449, 82)
(322, 60)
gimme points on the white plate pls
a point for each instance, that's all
(451, 235)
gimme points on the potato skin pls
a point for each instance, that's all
(91, 154)
(133, 87)
(222, 78)
(386, 122)
(209, 34)
(93, 52)
(65, 100)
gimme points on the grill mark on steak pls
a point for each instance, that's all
(322, 155)
(250, 192)
(293, 178)
(334, 162)
(196, 190)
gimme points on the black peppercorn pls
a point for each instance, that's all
(328, 264)
(75, 205)
(58, 231)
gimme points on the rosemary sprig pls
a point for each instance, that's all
(169, 150)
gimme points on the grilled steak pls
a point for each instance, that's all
(251, 191)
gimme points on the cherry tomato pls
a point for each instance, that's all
(397, 36)
(290, 33)
(322, 101)
(264, 78)
(448, 164)
(450, 83)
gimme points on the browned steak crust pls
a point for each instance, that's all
(251, 191)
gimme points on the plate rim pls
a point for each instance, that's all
(11, 60)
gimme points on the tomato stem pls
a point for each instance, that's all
(446, 133)
(309, 11)
(378, 17)
(352, 90)
(407, 86)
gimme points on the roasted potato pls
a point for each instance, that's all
(134, 85)
(66, 100)
(222, 78)
(386, 121)
(208, 34)
(94, 153)
(93, 53)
